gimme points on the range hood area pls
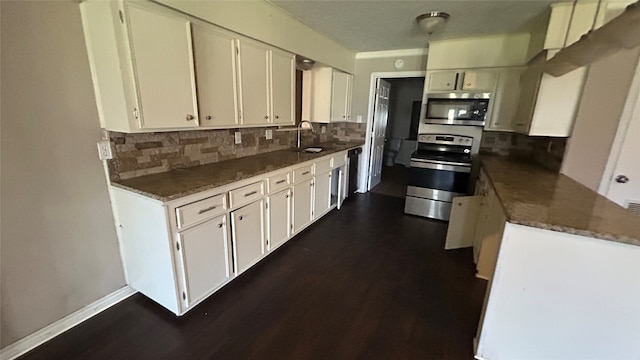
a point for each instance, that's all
(622, 32)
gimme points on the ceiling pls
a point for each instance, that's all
(366, 25)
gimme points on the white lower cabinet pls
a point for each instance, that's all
(279, 218)
(247, 229)
(302, 205)
(205, 258)
(178, 252)
(322, 198)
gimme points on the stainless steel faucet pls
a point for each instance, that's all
(300, 127)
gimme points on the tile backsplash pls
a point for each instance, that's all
(150, 153)
(548, 151)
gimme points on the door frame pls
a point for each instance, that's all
(365, 181)
(628, 111)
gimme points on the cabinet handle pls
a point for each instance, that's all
(207, 209)
(241, 217)
(208, 117)
(281, 181)
(468, 84)
(519, 124)
(305, 173)
(251, 193)
(220, 225)
(190, 117)
(311, 184)
(266, 117)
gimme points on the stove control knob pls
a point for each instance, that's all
(461, 140)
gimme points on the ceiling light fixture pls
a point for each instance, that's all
(432, 21)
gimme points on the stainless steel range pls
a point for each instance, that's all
(440, 170)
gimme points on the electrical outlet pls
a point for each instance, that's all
(323, 129)
(104, 150)
(268, 134)
(238, 136)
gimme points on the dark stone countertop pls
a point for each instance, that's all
(178, 183)
(534, 196)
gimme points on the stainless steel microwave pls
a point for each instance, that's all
(457, 108)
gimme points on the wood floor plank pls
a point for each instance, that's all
(364, 282)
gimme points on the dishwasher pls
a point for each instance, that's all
(354, 156)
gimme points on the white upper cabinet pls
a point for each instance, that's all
(326, 95)
(505, 100)
(442, 81)
(163, 63)
(283, 67)
(254, 82)
(215, 60)
(155, 69)
(478, 80)
(461, 80)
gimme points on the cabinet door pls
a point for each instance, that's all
(302, 204)
(215, 60)
(442, 81)
(254, 82)
(163, 63)
(283, 69)
(479, 80)
(247, 227)
(505, 103)
(322, 198)
(349, 95)
(279, 218)
(529, 85)
(339, 89)
(204, 252)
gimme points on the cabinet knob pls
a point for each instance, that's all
(622, 179)
(277, 116)
(190, 117)
(286, 196)
(344, 116)
(468, 84)
(220, 225)
(208, 117)
(240, 218)
(266, 117)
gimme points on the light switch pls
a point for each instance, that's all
(268, 134)
(238, 136)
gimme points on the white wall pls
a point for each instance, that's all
(265, 22)
(59, 246)
(603, 99)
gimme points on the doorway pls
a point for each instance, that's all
(394, 128)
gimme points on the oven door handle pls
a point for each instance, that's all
(438, 166)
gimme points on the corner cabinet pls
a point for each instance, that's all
(326, 95)
(152, 67)
(179, 252)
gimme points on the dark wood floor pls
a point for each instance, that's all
(365, 282)
(393, 181)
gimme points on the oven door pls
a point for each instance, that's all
(440, 181)
(456, 111)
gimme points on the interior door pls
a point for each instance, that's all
(624, 187)
(380, 117)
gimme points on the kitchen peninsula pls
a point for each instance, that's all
(567, 276)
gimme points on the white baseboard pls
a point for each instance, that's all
(47, 333)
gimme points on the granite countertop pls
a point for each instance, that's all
(534, 196)
(178, 183)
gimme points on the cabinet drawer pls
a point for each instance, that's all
(302, 173)
(323, 165)
(246, 194)
(278, 182)
(339, 160)
(200, 210)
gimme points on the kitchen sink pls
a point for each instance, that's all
(311, 149)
